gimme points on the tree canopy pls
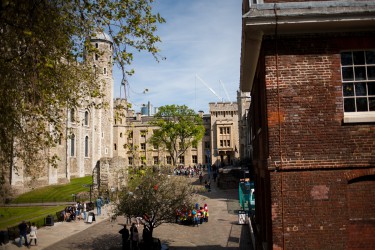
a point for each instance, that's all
(42, 65)
(179, 129)
(155, 197)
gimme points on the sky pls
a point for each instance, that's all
(201, 41)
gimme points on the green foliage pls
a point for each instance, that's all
(179, 129)
(155, 198)
(55, 193)
(12, 216)
(43, 70)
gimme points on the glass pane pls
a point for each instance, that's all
(371, 73)
(347, 74)
(370, 57)
(371, 88)
(360, 73)
(359, 57)
(349, 105)
(348, 89)
(371, 101)
(360, 89)
(361, 104)
(346, 58)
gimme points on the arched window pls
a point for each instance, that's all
(72, 144)
(115, 146)
(60, 138)
(105, 71)
(86, 118)
(86, 146)
(72, 113)
(120, 135)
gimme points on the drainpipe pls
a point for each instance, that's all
(279, 121)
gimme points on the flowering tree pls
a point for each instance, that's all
(155, 197)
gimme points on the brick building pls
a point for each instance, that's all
(310, 67)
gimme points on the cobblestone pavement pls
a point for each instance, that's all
(221, 232)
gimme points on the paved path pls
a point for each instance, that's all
(221, 232)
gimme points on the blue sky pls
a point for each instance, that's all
(200, 38)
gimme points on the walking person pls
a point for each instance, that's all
(33, 234)
(84, 209)
(125, 237)
(23, 233)
(134, 237)
(99, 204)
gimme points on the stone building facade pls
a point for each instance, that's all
(310, 69)
(224, 133)
(87, 130)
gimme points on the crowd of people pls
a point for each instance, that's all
(192, 216)
(75, 212)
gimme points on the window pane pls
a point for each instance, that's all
(361, 104)
(360, 89)
(359, 57)
(346, 58)
(370, 57)
(348, 89)
(349, 105)
(371, 88)
(371, 101)
(360, 73)
(347, 74)
(371, 73)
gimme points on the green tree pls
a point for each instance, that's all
(178, 129)
(154, 197)
(43, 71)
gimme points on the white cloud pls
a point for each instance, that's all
(200, 37)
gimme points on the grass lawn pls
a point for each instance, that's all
(56, 193)
(12, 216)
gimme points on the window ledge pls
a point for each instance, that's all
(359, 117)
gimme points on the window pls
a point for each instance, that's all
(194, 145)
(143, 133)
(86, 118)
(130, 160)
(155, 146)
(96, 57)
(130, 135)
(120, 135)
(169, 160)
(96, 45)
(86, 146)
(195, 159)
(72, 114)
(104, 71)
(206, 144)
(60, 138)
(72, 145)
(156, 161)
(221, 131)
(115, 146)
(181, 159)
(143, 146)
(358, 85)
(221, 143)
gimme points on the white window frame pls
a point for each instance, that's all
(357, 116)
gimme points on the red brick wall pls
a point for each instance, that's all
(311, 104)
(316, 214)
(311, 192)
